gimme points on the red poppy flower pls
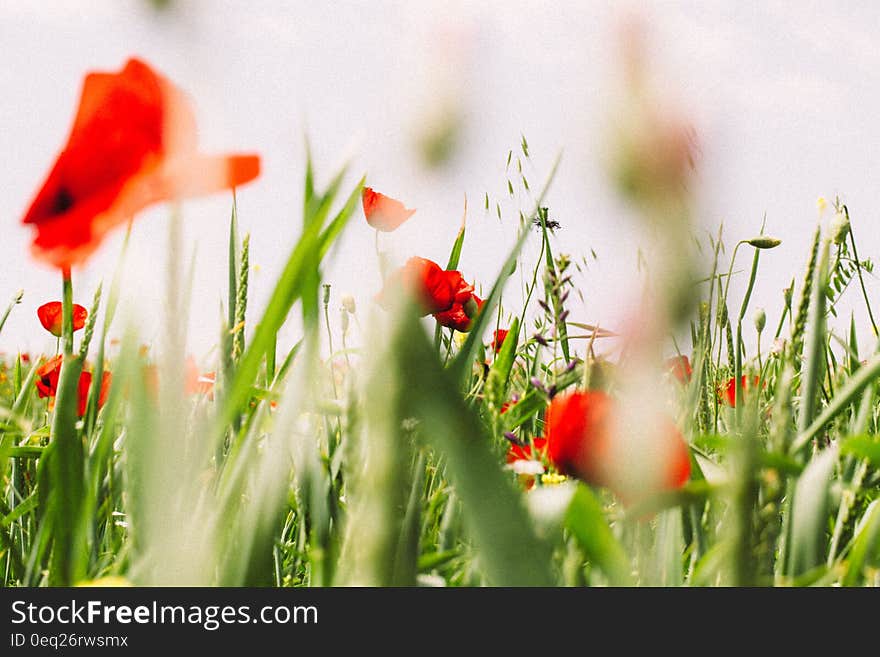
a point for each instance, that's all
(50, 317)
(465, 305)
(25, 357)
(47, 376)
(579, 431)
(383, 212)
(527, 452)
(498, 338)
(746, 384)
(47, 383)
(432, 287)
(85, 382)
(680, 368)
(132, 144)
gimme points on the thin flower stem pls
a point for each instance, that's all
(852, 240)
(67, 311)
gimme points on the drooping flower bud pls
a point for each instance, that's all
(349, 304)
(764, 242)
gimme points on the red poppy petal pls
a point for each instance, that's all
(50, 316)
(133, 143)
(383, 212)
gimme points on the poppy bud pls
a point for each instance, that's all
(348, 304)
(471, 307)
(764, 242)
(839, 227)
(760, 319)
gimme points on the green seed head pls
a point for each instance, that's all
(839, 227)
(764, 242)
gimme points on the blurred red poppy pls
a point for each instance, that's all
(383, 212)
(680, 368)
(47, 383)
(528, 452)
(197, 383)
(729, 391)
(132, 144)
(579, 434)
(50, 317)
(85, 382)
(498, 338)
(47, 376)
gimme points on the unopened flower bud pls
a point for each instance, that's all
(512, 438)
(764, 242)
(348, 303)
(760, 319)
(839, 228)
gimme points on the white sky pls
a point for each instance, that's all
(785, 97)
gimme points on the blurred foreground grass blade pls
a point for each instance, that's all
(112, 301)
(866, 545)
(809, 514)
(864, 376)
(66, 480)
(509, 551)
(295, 279)
(377, 479)
(865, 447)
(406, 560)
(587, 523)
(334, 228)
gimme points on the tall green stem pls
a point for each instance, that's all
(67, 311)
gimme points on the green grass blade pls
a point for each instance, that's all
(865, 545)
(586, 522)
(66, 477)
(809, 514)
(510, 553)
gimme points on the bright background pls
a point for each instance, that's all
(784, 97)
